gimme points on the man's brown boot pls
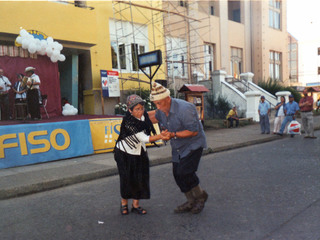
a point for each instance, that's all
(201, 197)
(187, 206)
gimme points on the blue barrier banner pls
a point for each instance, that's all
(34, 143)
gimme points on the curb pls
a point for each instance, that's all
(58, 183)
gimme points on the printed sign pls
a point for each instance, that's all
(43, 142)
(113, 84)
(110, 83)
(105, 132)
(104, 83)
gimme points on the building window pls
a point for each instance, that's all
(176, 55)
(318, 51)
(274, 13)
(114, 54)
(318, 70)
(126, 46)
(183, 3)
(208, 60)
(275, 65)
(236, 62)
(212, 10)
(234, 13)
(122, 56)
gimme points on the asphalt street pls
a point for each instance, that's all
(260, 192)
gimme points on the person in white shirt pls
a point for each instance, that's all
(5, 86)
(131, 155)
(33, 93)
(280, 115)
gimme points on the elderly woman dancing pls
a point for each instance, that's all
(131, 155)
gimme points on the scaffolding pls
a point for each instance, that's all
(183, 46)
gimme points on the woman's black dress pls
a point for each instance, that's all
(133, 169)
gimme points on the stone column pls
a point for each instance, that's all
(217, 77)
(247, 76)
(283, 93)
(229, 78)
(253, 98)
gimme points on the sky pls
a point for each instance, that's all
(303, 19)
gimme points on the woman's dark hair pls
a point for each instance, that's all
(283, 98)
(142, 103)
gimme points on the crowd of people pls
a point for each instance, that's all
(27, 95)
(286, 113)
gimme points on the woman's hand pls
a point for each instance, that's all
(165, 135)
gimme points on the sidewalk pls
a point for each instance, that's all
(25, 180)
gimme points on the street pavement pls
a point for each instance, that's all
(19, 181)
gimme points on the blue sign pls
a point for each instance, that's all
(34, 143)
(150, 59)
(104, 83)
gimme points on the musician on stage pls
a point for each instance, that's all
(20, 90)
(5, 86)
(33, 93)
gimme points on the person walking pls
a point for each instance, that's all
(306, 107)
(180, 119)
(290, 110)
(279, 117)
(131, 155)
(264, 110)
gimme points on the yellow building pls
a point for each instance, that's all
(88, 34)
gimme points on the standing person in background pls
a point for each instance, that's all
(188, 140)
(306, 107)
(131, 156)
(290, 110)
(5, 86)
(233, 116)
(20, 90)
(264, 110)
(318, 104)
(33, 93)
(279, 115)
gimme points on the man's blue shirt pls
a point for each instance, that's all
(182, 116)
(291, 108)
(264, 107)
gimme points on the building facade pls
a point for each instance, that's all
(195, 37)
(293, 54)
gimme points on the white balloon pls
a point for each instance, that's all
(49, 40)
(30, 37)
(42, 52)
(23, 33)
(49, 51)
(55, 45)
(25, 43)
(56, 53)
(60, 47)
(43, 44)
(62, 58)
(32, 48)
(19, 39)
(53, 59)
